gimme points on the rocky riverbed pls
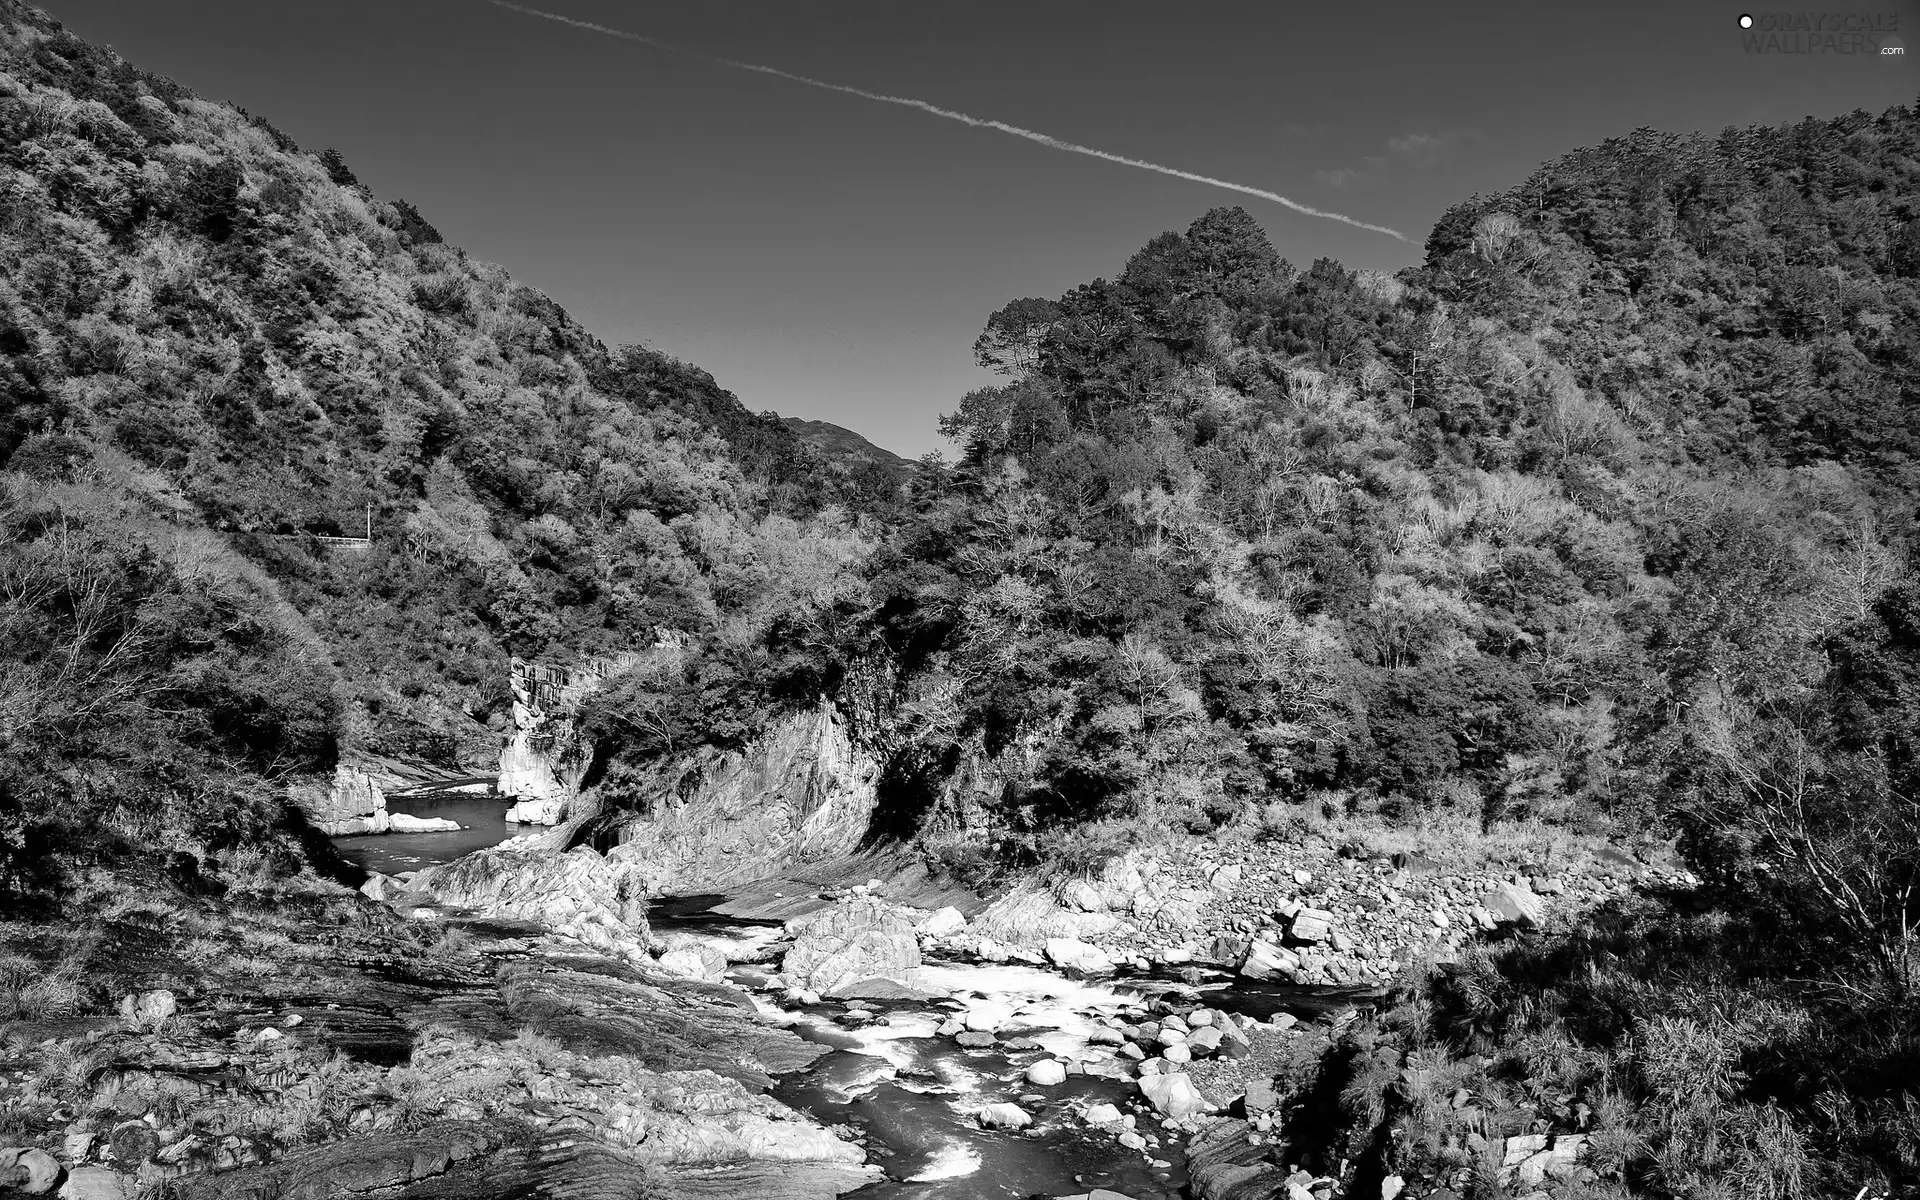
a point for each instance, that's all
(530, 1022)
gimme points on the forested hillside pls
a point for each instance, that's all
(233, 333)
(1630, 452)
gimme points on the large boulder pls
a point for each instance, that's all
(1311, 925)
(1174, 1095)
(1004, 1116)
(28, 1170)
(1264, 960)
(859, 939)
(407, 823)
(1515, 904)
(943, 922)
(578, 893)
(1074, 954)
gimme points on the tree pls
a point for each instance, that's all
(1010, 344)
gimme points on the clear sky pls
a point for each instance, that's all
(832, 257)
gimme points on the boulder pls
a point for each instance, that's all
(97, 1183)
(1533, 1159)
(1104, 1114)
(1511, 903)
(1047, 1072)
(858, 939)
(1082, 896)
(974, 1039)
(407, 823)
(694, 961)
(1074, 954)
(28, 1170)
(1004, 1116)
(148, 1010)
(1174, 1095)
(1311, 925)
(1177, 1053)
(538, 810)
(1225, 879)
(1204, 1041)
(577, 893)
(943, 922)
(1264, 960)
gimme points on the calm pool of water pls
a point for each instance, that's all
(482, 816)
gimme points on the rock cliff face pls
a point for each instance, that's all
(547, 755)
(804, 791)
(353, 802)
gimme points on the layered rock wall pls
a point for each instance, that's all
(804, 791)
(547, 756)
(352, 802)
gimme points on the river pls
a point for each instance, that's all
(912, 1094)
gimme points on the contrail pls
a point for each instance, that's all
(978, 122)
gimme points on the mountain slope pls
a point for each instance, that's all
(285, 354)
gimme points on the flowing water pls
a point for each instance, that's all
(912, 1094)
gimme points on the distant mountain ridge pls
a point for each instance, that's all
(836, 442)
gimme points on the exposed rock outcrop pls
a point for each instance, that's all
(852, 943)
(802, 792)
(547, 755)
(598, 901)
(352, 802)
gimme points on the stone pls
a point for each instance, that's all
(1132, 1140)
(859, 938)
(943, 922)
(1225, 879)
(132, 1143)
(1438, 918)
(598, 901)
(1200, 1018)
(1047, 1073)
(1549, 885)
(1531, 1160)
(406, 823)
(1169, 1036)
(1174, 1095)
(1264, 960)
(881, 988)
(1391, 1187)
(1261, 1096)
(148, 1010)
(1512, 903)
(974, 1039)
(1204, 1041)
(1082, 896)
(28, 1170)
(1074, 954)
(1303, 877)
(984, 1020)
(97, 1183)
(694, 962)
(1131, 1052)
(1103, 1114)
(1004, 1116)
(1311, 925)
(1177, 1054)
(537, 810)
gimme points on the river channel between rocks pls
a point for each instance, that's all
(912, 1096)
